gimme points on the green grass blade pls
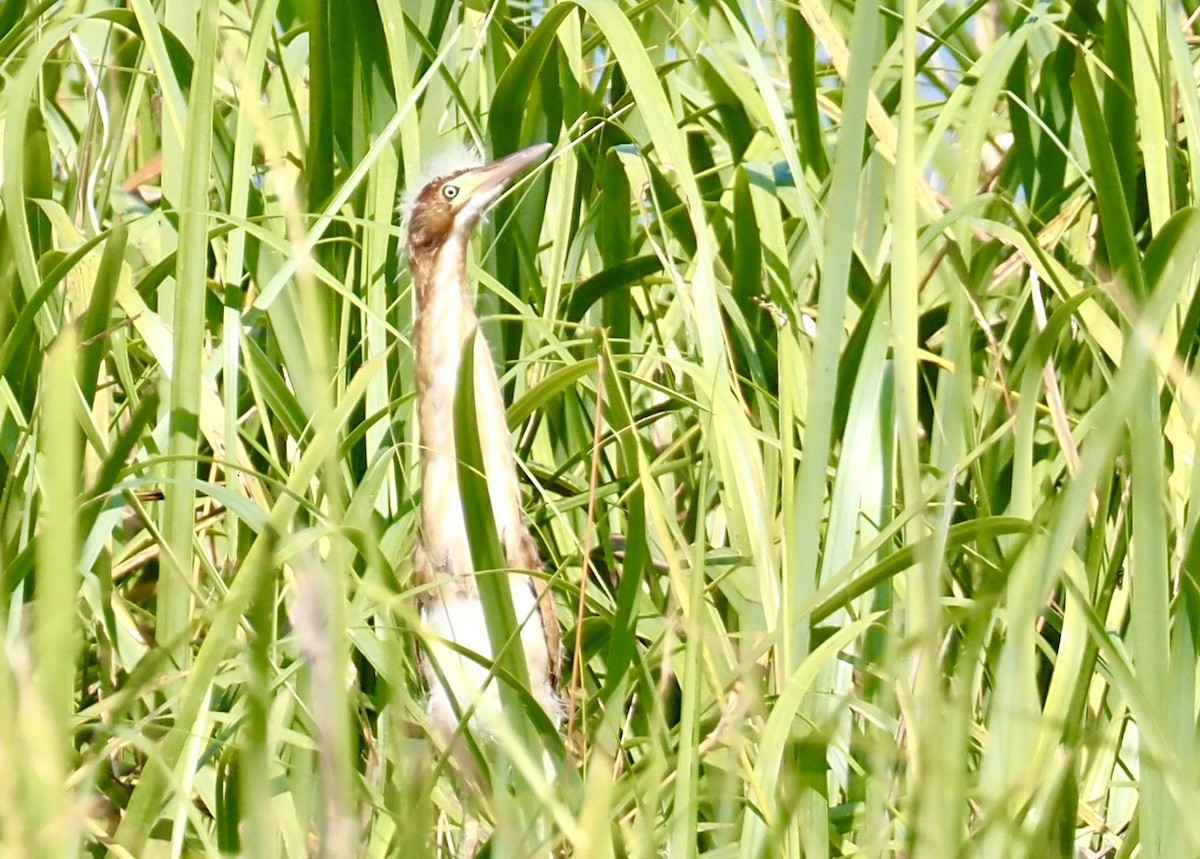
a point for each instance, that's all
(191, 288)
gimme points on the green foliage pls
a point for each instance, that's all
(850, 359)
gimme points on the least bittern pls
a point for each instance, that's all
(441, 220)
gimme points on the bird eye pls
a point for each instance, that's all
(450, 191)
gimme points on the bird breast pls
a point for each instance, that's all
(467, 681)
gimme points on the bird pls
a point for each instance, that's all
(442, 216)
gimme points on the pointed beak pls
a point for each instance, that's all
(483, 185)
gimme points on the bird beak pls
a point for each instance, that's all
(483, 185)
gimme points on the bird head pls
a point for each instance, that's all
(448, 207)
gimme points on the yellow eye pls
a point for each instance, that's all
(449, 192)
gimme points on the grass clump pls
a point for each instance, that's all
(850, 360)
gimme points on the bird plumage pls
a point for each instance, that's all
(441, 219)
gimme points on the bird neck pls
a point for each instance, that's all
(445, 319)
(440, 275)
(446, 323)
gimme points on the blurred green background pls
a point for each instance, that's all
(850, 354)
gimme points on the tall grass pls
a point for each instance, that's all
(850, 358)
